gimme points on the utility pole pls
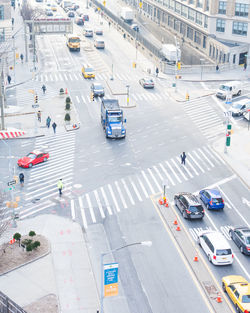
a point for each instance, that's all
(2, 100)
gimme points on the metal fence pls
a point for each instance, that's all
(9, 306)
(126, 27)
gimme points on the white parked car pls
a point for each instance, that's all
(216, 247)
(240, 107)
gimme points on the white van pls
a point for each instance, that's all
(216, 247)
(231, 88)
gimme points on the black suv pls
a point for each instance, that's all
(241, 236)
(189, 205)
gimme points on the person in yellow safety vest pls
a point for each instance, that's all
(60, 187)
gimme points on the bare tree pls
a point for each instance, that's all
(29, 14)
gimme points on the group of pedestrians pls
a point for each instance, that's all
(48, 121)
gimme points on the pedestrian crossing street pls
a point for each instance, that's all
(41, 186)
(194, 232)
(71, 76)
(208, 121)
(94, 206)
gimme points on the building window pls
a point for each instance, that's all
(191, 1)
(171, 4)
(190, 33)
(234, 58)
(204, 42)
(170, 21)
(220, 25)
(205, 21)
(2, 37)
(1, 12)
(177, 7)
(191, 14)
(222, 7)
(207, 5)
(210, 50)
(166, 3)
(176, 25)
(197, 37)
(184, 10)
(199, 3)
(198, 18)
(240, 28)
(182, 29)
(241, 9)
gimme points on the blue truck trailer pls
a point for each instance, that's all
(112, 119)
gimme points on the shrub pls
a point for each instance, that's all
(36, 244)
(17, 237)
(67, 106)
(67, 117)
(32, 233)
(61, 90)
(27, 242)
(68, 100)
(29, 247)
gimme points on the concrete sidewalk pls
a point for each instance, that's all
(65, 272)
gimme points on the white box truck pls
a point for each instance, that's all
(170, 53)
(233, 88)
(127, 14)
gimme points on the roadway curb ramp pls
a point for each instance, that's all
(11, 133)
(191, 254)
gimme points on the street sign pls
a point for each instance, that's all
(228, 114)
(35, 106)
(110, 279)
(12, 182)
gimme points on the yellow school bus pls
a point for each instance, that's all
(73, 42)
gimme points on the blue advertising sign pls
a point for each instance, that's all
(110, 279)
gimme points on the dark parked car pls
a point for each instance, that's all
(79, 21)
(147, 82)
(212, 199)
(97, 90)
(71, 14)
(241, 237)
(189, 205)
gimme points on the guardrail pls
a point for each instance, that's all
(9, 306)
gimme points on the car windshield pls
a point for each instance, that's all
(248, 240)
(246, 299)
(148, 81)
(237, 106)
(217, 200)
(223, 252)
(74, 40)
(115, 119)
(223, 87)
(197, 208)
(31, 156)
(88, 70)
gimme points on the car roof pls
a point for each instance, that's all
(37, 151)
(214, 193)
(192, 199)
(215, 236)
(97, 84)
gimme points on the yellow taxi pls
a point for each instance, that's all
(238, 289)
(53, 7)
(88, 71)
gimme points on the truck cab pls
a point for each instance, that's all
(112, 119)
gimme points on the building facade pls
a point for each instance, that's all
(219, 29)
(5, 29)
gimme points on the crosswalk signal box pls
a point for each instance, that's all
(36, 98)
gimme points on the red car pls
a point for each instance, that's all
(33, 158)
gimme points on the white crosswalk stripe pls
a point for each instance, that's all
(95, 205)
(205, 117)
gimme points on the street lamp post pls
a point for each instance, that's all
(127, 95)
(143, 243)
(201, 60)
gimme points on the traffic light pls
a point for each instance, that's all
(36, 98)
(228, 138)
(179, 65)
(92, 98)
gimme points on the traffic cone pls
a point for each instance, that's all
(12, 241)
(178, 228)
(175, 221)
(219, 300)
(166, 204)
(160, 202)
(66, 91)
(196, 258)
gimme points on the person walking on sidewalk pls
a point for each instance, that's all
(44, 88)
(48, 121)
(9, 78)
(60, 187)
(157, 72)
(54, 127)
(39, 115)
(183, 158)
(21, 57)
(21, 179)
